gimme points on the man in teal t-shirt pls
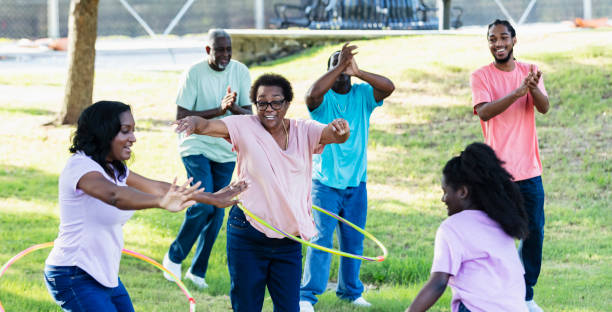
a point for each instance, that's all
(339, 174)
(212, 88)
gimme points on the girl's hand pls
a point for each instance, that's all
(179, 197)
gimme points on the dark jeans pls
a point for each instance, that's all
(462, 308)
(201, 221)
(256, 261)
(74, 290)
(530, 249)
(352, 204)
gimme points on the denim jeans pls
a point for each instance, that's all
(256, 261)
(462, 308)
(530, 249)
(351, 204)
(202, 221)
(74, 290)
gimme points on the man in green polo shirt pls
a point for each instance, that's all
(215, 87)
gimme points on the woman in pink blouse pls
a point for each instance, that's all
(275, 158)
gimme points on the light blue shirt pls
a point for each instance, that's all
(345, 165)
(202, 88)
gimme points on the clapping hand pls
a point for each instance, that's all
(228, 100)
(179, 197)
(530, 82)
(534, 79)
(346, 57)
(352, 69)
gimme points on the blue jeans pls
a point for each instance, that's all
(202, 221)
(462, 308)
(530, 249)
(351, 204)
(256, 261)
(74, 290)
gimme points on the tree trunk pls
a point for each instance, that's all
(82, 33)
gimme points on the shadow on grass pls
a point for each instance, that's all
(304, 53)
(16, 301)
(21, 230)
(28, 184)
(154, 125)
(27, 111)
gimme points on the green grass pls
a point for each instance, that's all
(426, 121)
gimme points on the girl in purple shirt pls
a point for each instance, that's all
(474, 250)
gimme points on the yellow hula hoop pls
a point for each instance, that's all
(125, 251)
(322, 248)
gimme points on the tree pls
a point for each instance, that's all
(82, 33)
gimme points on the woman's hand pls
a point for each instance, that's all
(337, 131)
(225, 197)
(189, 124)
(340, 126)
(180, 197)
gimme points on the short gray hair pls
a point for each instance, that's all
(215, 33)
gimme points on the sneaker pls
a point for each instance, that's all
(533, 307)
(360, 302)
(175, 268)
(306, 306)
(200, 282)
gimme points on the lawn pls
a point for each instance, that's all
(426, 121)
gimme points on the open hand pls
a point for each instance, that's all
(225, 197)
(189, 125)
(179, 197)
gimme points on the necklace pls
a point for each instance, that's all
(340, 109)
(286, 135)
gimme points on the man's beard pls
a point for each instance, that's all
(505, 59)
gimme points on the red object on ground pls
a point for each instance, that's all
(591, 23)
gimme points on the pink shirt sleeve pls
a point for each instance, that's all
(447, 252)
(315, 130)
(480, 90)
(232, 122)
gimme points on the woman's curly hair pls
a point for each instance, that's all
(272, 80)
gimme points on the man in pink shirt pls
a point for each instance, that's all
(505, 95)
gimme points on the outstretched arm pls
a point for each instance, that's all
(222, 198)
(208, 114)
(198, 125)
(314, 95)
(176, 198)
(430, 293)
(336, 131)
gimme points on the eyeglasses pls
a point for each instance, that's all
(276, 105)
